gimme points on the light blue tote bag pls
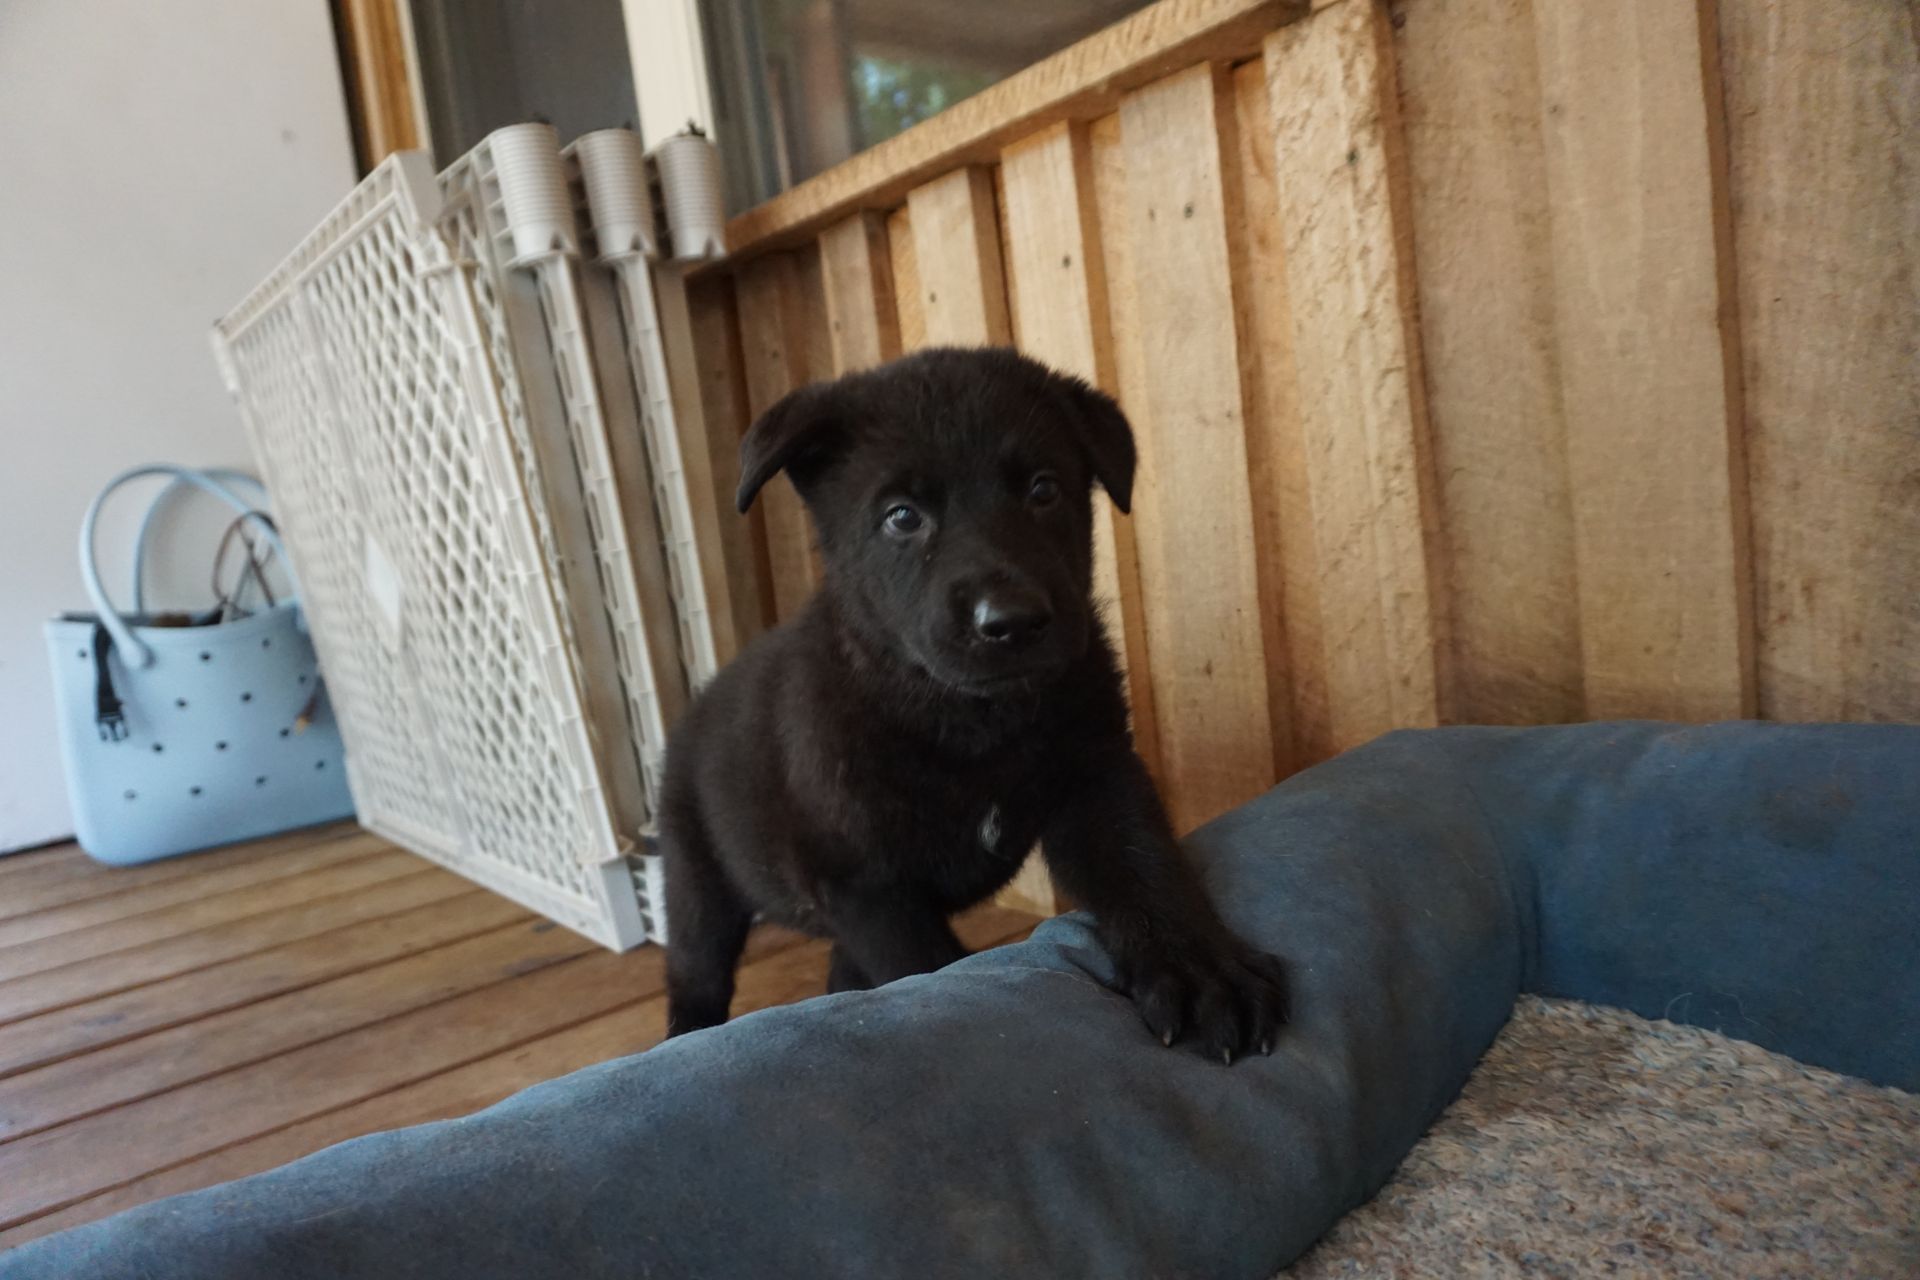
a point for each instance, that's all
(176, 738)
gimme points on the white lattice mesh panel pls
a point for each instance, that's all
(393, 779)
(462, 221)
(360, 369)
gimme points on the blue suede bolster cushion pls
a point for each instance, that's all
(1011, 1116)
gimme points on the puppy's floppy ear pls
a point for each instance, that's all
(794, 433)
(1105, 435)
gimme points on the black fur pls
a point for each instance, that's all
(948, 686)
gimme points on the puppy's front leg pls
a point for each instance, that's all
(707, 921)
(1109, 845)
(886, 933)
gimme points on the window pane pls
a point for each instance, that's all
(800, 85)
(485, 64)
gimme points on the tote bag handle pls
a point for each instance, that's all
(224, 475)
(132, 650)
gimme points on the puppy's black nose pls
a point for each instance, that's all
(1010, 616)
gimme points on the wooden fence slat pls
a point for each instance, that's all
(1643, 317)
(956, 238)
(963, 302)
(1276, 447)
(821, 358)
(1823, 109)
(1056, 277)
(719, 388)
(1343, 224)
(858, 279)
(1194, 524)
(906, 280)
(714, 325)
(1470, 90)
(1126, 325)
(773, 348)
(1010, 285)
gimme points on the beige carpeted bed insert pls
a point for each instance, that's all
(1591, 1142)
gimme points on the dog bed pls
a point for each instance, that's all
(1010, 1115)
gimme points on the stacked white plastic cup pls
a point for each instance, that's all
(613, 167)
(690, 181)
(533, 186)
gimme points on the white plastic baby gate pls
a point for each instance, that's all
(607, 174)
(484, 503)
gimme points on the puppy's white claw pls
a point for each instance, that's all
(1226, 1056)
(1166, 1038)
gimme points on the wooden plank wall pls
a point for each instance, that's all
(1061, 317)
(1823, 113)
(1492, 361)
(776, 358)
(1345, 242)
(1194, 505)
(1650, 382)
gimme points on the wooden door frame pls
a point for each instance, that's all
(380, 72)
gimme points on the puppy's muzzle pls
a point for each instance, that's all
(1008, 617)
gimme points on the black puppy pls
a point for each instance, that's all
(889, 756)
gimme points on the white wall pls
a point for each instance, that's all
(156, 160)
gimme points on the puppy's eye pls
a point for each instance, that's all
(1044, 491)
(902, 519)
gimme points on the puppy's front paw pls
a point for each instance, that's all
(1221, 998)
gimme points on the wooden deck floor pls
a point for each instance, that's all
(175, 1025)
